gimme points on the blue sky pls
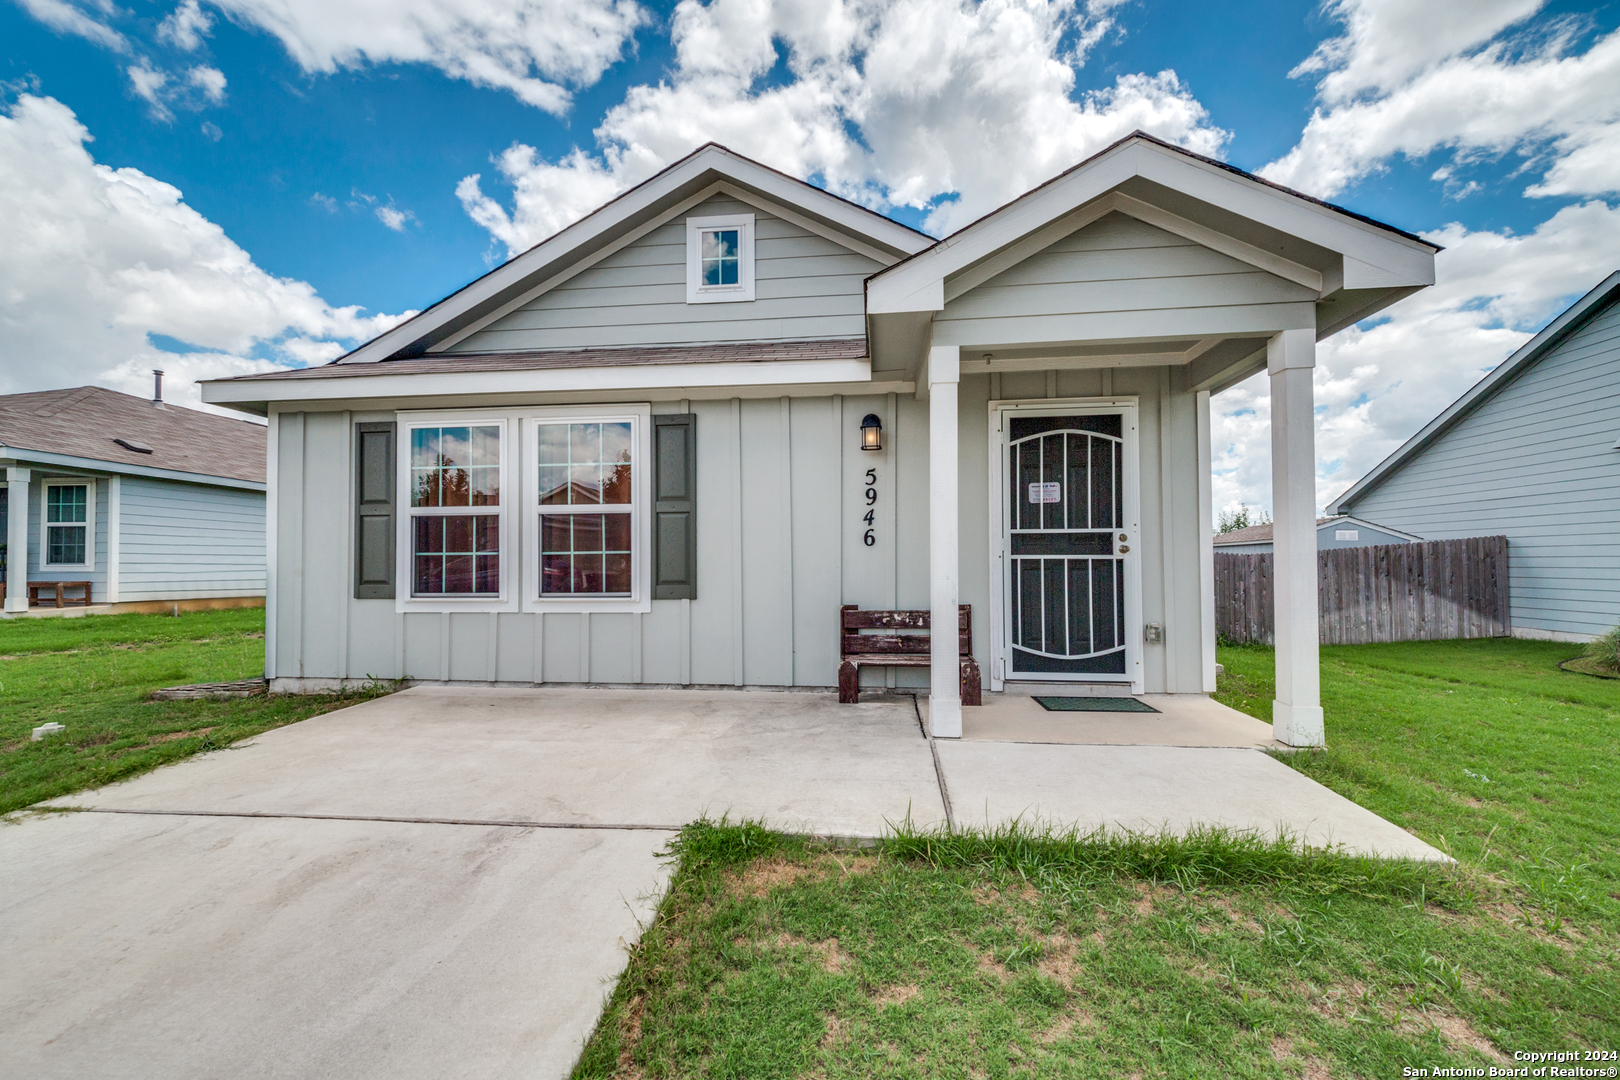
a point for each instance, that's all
(296, 128)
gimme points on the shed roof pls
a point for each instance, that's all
(1261, 534)
(86, 422)
(1554, 333)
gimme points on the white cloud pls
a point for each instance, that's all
(185, 26)
(1428, 93)
(64, 18)
(533, 48)
(393, 217)
(945, 104)
(1378, 385)
(210, 81)
(97, 260)
(149, 83)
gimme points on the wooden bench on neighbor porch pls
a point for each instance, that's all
(905, 644)
(55, 590)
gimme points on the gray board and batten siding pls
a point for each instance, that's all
(1120, 277)
(778, 548)
(1537, 461)
(805, 287)
(186, 541)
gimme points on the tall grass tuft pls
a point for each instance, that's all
(1604, 651)
(1202, 856)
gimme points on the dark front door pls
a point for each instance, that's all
(1065, 549)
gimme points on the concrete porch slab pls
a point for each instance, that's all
(1182, 720)
(1148, 788)
(183, 947)
(800, 761)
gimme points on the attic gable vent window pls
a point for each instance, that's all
(719, 259)
(131, 444)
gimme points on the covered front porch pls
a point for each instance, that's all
(1066, 348)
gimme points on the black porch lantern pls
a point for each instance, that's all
(871, 432)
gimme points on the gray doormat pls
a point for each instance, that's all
(1094, 704)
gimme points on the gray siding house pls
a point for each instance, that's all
(1529, 452)
(154, 506)
(667, 444)
(1331, 532)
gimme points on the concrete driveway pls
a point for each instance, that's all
(441, 883)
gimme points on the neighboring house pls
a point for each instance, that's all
(666, 444)
(1331, 532)
(1529, 452)
(155, 506)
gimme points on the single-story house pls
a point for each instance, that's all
(665, 445)
(135, 505)
(1529, 452)
(1340, 531)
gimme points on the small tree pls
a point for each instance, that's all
(1241, 518)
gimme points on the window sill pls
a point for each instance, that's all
(582, 605)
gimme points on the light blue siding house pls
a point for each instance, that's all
(133, 505)
(1529, 452)
(1331, 532)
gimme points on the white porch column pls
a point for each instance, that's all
(1206, 545)
(1296, 714)
(944, 668)
(17, 538)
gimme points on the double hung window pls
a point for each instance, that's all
(587, 510)
(69, 513)
(455, 486)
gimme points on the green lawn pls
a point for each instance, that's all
(1071, 956)
(93, 675)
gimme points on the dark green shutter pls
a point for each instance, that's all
(675, 507)
(374, 521)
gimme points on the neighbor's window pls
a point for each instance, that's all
(455, 548)
(67, 524)
(586, 513)
(719, 258)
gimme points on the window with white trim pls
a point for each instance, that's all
(69, 524)
(455, 477)
(719, 258)
(587, 508)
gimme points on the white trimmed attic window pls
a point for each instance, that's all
(719, 259)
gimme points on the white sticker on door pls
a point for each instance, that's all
(1046, 493)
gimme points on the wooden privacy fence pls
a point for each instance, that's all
(1425, 591)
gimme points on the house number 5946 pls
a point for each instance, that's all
(871, 501)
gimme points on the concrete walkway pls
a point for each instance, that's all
(441, 883)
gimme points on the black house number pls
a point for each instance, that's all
(871, 501)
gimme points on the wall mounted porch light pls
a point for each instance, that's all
(871, 432)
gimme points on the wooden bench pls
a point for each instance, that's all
(57, 590)
(906, 645)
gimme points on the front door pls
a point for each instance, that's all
(1068, 511)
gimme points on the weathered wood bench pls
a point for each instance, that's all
(905, 645)
(55, 590)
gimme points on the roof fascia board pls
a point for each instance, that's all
(809, 224)
(1481, 392)
(626, 207)
(1410, 262)
(585, 263)
(855, 373)
(1364, 523)
(68, 461)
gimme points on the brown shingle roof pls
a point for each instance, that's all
(1255, 534)
(630, 356)
(84, 422)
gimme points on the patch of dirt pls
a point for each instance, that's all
(1460, 1033)
(895, 995)
(759, 878)
(173, 735)
(832, 1032)
(1282, 1048)
(833, 958)
(1065, 1023)
(629, 1036)
(1058, 961)
(993, 967)
(1239, 918)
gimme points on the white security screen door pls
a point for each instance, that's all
(1066, 543)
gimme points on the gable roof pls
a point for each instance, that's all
(1261, 534)
(706, 171)
(1287, 233)
(1552, 335)
(84, 423)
